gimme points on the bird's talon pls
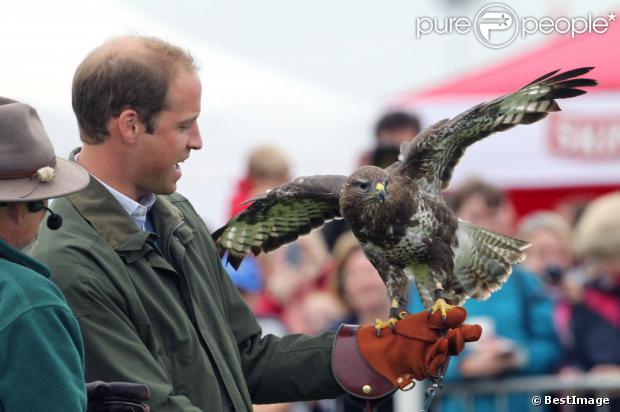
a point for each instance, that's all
(441, 306)
(390, 323)
(379, 325)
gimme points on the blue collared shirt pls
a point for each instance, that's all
(137, 211)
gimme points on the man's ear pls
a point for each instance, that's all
(129, 125)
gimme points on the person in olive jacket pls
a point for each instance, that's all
(142, 275)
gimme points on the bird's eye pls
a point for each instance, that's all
(364, 185)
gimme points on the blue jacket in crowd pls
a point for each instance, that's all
(522, 313)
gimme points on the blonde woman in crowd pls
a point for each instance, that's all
(593, 325)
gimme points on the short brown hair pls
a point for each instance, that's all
(493, 196)
(127, 72)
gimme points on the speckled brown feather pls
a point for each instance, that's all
(280, 216)
(406, 230)
(432, 155)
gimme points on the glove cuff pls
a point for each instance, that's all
(352, 371)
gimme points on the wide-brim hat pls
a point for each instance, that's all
(29, 168)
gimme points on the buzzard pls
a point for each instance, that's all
(398, 214)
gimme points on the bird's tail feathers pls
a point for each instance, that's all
(483, 260)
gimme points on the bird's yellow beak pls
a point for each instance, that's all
(380, 189)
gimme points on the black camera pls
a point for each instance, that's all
(553, 274)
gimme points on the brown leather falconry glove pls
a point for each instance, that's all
(117, 397)
(416, 348)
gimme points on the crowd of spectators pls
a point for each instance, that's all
(559, 312)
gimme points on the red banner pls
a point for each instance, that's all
(586, 137)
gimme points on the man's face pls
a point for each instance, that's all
(394, 137)
(25, 232)
(474, 209)
(159, 155)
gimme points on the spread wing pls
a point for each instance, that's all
(280, 216)
(431, 156)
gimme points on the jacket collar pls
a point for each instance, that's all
(15, 255)
(106, 215)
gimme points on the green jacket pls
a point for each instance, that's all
(161, 310)
(41, 352)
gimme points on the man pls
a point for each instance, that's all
(391, 130)
(395, 128)
(142, 275)
(41, 350)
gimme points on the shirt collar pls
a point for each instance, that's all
(137, 211)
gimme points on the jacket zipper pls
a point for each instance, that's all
(189, 306)
(185, 293)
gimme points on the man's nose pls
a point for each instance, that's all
(195, 141)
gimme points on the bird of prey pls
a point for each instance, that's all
(398, 214)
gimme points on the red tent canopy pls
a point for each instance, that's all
(560, 52)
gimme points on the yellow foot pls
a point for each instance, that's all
(442, 306)
(379, 324)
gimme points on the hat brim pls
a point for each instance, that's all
(69, 178)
